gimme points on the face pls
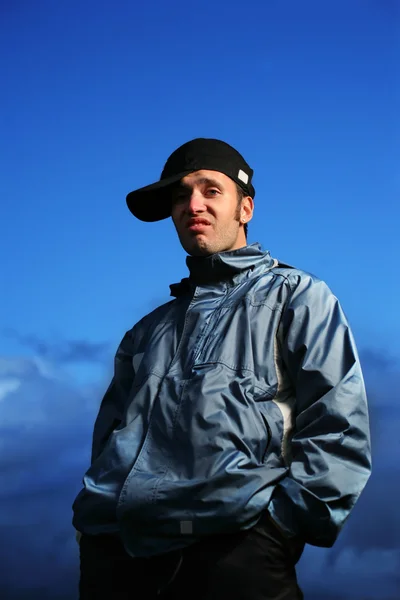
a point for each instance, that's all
(207, 215)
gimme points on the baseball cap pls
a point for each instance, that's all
(153, 202)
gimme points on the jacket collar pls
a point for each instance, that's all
(232, 266)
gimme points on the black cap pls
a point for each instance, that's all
(153, 202)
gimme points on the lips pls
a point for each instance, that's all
(197, 224)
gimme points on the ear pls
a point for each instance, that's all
(246, 210)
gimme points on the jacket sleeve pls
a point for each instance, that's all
(113, 405)
(330, 447)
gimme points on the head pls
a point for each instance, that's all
(206, 188)
(209, 214)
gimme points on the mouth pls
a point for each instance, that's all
(198, 224)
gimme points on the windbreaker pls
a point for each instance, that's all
(242, 394)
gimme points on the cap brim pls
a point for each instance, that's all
(153, 202)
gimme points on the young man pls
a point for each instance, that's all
(235, 429)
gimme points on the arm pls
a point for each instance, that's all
(331, 444)
(114, 401)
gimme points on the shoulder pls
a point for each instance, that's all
(159, 314)
(293, 274)
(300, 281)
(133, 337)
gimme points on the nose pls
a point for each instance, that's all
(196, 203)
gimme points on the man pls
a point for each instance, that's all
(235, 429)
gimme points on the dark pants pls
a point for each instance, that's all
(258, 564)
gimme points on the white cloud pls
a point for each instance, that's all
(7, 385)
(45, 435)
(34, 392)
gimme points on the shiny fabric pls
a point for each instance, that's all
(242, 394)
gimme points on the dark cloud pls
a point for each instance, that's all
(45, 429)
(62, 351)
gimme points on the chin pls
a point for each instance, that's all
(197, 247)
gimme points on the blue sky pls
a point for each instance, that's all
(95, 96)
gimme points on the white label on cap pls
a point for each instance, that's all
(186, 527)
(243, 176)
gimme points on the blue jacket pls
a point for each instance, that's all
(242, 394)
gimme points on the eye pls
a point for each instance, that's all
(212, 192)
(179, 196)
